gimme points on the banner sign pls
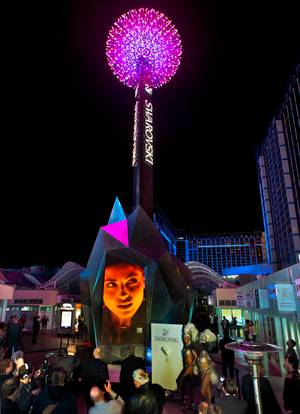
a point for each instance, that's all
(285, 297)
(167, 345)
(297, 282)
(248, 300)
(239, 300)
(261, 298)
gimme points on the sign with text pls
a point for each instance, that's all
(66, 319)
(148, 133)
(239, 300)
(248, 300)
(167, 345)
(285, 297)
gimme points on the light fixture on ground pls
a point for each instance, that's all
(143, 50)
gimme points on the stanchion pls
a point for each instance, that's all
(254, 355)
(60, 345)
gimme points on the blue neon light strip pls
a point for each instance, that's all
(212, 246)
(165, 236)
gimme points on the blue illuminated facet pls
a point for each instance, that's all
(117, 212)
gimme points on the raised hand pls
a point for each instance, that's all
(107, 387)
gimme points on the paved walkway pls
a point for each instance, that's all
(49, 342)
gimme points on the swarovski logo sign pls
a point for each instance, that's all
(148, 133)
(135, 131)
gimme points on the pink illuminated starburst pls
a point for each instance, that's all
(143, 44)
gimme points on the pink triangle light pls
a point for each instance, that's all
(118, 231)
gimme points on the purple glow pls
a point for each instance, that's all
(143, 44)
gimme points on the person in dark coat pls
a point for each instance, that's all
(94, 372)
(216, 324)
(148, 398)
(128, 366)
(291, 389)
(225, 324)
(14, 334)
(56, 395)
(290, 350)
(228, 401)
(70, 362)
(35, 328)
(6, 370)
(268, 398)
(227, 357)
(9, 391)
(45, 321)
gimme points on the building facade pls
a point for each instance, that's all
(222, 251)
(278, 166)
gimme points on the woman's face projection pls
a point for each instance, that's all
(123, 292)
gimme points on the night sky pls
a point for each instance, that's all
(67, 121)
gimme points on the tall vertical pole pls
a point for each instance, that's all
(255, 361)
(143, 148)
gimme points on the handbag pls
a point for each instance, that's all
(49, 409)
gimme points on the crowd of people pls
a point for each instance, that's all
(75, 383)
(79, 381)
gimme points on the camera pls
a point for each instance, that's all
(47, 368)
(25, 371)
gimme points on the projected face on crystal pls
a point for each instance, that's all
(123, 292)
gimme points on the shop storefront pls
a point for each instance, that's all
(29, 302)
(275, 310)
(6, 294)
(227, 305)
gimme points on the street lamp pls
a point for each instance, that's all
(254, 355)
(143, 50)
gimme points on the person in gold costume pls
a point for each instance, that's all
(186, 379)
(208, 376)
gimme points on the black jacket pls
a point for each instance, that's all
(35, 325)
(268, 399)
(69, 363)
(24, 397)
(94, 372)
(227, 354)
(232, 405)
(291, 393)
(128, 366)
(148, 399)
(13, 336)
(8, 407)
(4, 377)
(61, 396)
